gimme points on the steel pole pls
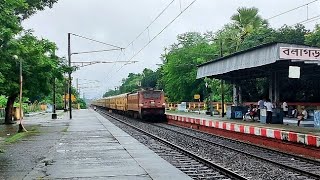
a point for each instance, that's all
(54, 115)
(21, 127)
(70, 80)
(65, 94)
(222, 84)
(211, 109)
(20, 94)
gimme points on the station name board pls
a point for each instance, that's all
(299, 53)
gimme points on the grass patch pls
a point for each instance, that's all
(18, 136)
(2, 151)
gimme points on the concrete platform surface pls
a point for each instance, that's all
(305, 135)
(94, 148)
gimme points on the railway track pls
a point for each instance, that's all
(305, 166)
(297, 167)
(193, 165)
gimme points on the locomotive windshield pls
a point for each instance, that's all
(152, 94)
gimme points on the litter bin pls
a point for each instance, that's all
(236, 112)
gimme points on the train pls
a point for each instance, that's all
(148, 104)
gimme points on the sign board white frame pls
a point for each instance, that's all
(299, 53)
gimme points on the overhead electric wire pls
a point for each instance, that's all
(314, 18)
(96, 51)
(112, 68)
(147, 28)
(292, 9)
(151, 23)
(96, 41)
(159, 33)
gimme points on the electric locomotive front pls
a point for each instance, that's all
(151, 104)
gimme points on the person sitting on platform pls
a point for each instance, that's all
(302, 116)
(294, 113)
(285, 109)
(252, 112)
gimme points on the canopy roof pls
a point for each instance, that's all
(261, 61)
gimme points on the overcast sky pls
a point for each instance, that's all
(118, 22)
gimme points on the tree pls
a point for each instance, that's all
(313, 38)
(40, 67)
(149, 78)
(247, 20)
(9, 22)
(179, 69)
(38, 56)
(131, 83)
(289, 34)
(32, 6)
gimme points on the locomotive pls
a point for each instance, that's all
(143, 104)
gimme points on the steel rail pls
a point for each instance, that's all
(223, 170)
(255, 156)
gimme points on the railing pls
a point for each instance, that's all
(195, 106)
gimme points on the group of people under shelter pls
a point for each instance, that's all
(254, 111)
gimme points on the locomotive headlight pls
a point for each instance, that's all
(140, 104)
(163, 104)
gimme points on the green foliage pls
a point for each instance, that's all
(111, 92)
(289, 34)
(37, 56)
(9, 22)
(3, 101)
(149, 78)
(179, 69)
(131, 83)
(247, 20)
(39, 66)
(313, 38)
(34, 6)
(177, 75)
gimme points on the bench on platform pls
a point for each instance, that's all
(309, 122)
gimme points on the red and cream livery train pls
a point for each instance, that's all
(142, 104)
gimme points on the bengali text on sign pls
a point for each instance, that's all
(299, 53)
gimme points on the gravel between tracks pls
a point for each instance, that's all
(243, 164)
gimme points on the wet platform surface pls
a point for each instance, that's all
(301, 135)
(300, 129)
(94, 148)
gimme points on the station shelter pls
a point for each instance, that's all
(280, 64)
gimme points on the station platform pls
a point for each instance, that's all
(94, 148)
(304, 135)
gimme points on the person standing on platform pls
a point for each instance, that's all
(269, 107)
(285, 109)
(260, 106)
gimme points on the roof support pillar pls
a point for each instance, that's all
(271, 87)
(274, 90)
(237, 97)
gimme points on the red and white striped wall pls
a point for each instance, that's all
(308, 139)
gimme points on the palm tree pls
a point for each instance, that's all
(246, 20)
